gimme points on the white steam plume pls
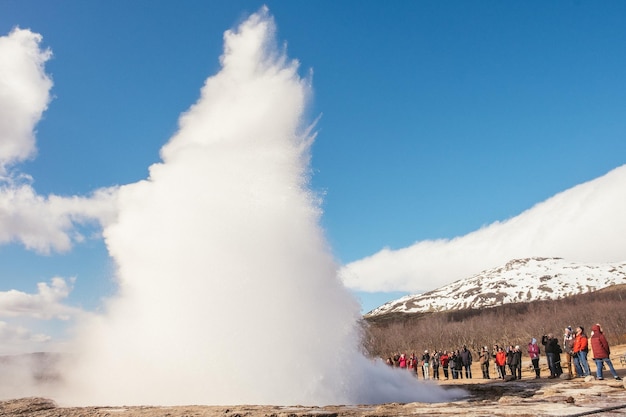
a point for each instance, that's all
(228, 292)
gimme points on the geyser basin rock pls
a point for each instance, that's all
(534, 397)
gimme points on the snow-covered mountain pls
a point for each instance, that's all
(520, 280)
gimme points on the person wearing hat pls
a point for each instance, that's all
(568, 348)
(533, 353)
(601, 352)
(580, 349)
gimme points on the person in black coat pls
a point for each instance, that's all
(510, 351)
(466, 359)
(514, 360)
(517, 360)
(553, 351)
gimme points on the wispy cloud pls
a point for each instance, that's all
(21, 311)
(584, 224)
(47, 303)
(16, 335)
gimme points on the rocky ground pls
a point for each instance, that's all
(494, 397)
(527, 397)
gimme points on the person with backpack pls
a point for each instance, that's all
(557, 359)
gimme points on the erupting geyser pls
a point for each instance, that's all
(228, 292)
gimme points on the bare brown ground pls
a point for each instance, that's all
(494, 397)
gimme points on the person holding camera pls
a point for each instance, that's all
(553, 351)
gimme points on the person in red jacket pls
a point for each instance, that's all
(601, 352)
(580, 349)
(412, 364)
(444, 358)
(402, 361)
(501, 362)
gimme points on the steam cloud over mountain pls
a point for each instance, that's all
(582, 224)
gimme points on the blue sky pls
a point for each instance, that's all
(437, 117)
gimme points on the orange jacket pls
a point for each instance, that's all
(580, 343)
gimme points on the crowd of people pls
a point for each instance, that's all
(572, 353)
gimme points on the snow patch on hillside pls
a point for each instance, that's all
(520, 280)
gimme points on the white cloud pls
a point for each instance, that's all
(46, 304)
(584, 224)
(50, 223)
(18, 339)
(21, 314)
(12, 335)
(24, 94)
(40, 223)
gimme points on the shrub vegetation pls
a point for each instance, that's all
(511, 324)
